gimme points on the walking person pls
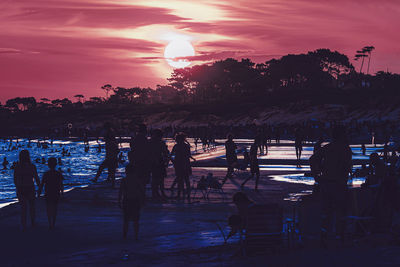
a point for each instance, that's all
(231, 156)
(25, 177)
(298, 143)
(254, 167)
(52, 182)
(111, 159)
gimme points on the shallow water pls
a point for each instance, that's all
(77, 168)
(80, 167)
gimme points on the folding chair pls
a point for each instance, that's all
(209, 184)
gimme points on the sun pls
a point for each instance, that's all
(176, 50)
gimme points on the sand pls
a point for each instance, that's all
(88, 232)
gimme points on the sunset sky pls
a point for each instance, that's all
(59, 48)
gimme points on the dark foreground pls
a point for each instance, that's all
(88, 233)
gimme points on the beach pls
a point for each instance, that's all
(88, 233)
(177, 233)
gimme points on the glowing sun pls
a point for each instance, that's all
(177, 49)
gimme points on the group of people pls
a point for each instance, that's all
(148, 162)
(149, 158)
(331, 167)
(25, 177)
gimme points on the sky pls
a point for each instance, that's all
(60, 48)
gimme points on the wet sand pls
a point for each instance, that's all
(88, 232)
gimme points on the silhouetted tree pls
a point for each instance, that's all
(107, 88)
(45, 100)
(79, 98)
(21, 103)
(97, 100)
(361, 54)
(369, 50)
(62, 103)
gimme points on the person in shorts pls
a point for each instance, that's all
(52, 182)
(25, 176)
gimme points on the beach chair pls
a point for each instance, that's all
(201, 186)
(216, 187)
(207, 185)
(263, 229)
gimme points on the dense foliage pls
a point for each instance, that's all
(231, 80)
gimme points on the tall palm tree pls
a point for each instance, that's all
(369, 50)
(361, 54)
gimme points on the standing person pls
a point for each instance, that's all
(298, 143)
(111, 160)
(335, 168)
(131, 196)
(315, 164)
(53, 188)
(363, 150)
(5, 163)
(254, 168)
(259, 141)
(181, 159)
(231, 156)
(196, 141)
(140, 153)
(25, 175)
(159, 157)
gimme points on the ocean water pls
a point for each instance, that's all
(81, 166)
(78, 168)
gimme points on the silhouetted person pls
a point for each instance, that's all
(131, 196)
(259, 140)
(53, 188)
(196, 141)
(181, 159)
(140, 153)
(111, 160)
(231, 157)
(363, 149)
(5, 163)
(386, 152)
(336, 166)
(246, 160)
(298, 143)
(25, 175)
(159, 157)
(315, 163)
(254, 168)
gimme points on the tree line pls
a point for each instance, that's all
(236, 80)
